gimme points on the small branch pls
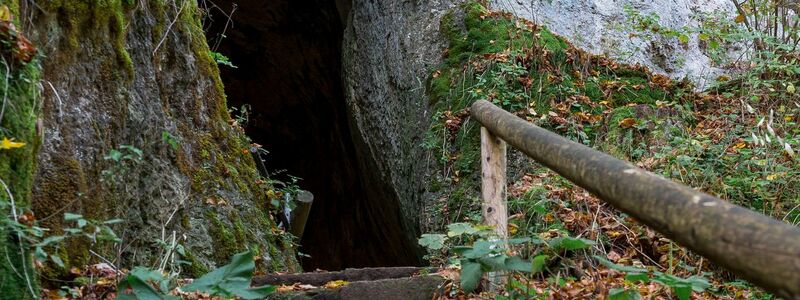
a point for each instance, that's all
(169, 28)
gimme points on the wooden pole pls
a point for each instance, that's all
(493, 189)
(493, 186)
(300, 213)
(758, 248)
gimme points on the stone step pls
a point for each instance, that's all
(399, 283)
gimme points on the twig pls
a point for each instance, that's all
(105, 260)
(5, 90)
(60, 113)
(169, 28)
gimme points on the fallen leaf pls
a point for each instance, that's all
(336, 284)
(627, 122)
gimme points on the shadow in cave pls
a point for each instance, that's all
(288, 58)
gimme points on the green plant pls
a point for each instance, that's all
(221, 59)
(681, 287)
(229, 281)
(478, 251)
(122, 160)
(170, 139)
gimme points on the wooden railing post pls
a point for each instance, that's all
(493, 186)
(493, 189)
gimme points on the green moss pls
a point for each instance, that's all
(194, 267)
(104, 19)
(21, 109)
(224, 241)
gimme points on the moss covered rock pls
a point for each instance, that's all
(136, 77)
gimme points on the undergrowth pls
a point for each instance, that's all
(716, 141)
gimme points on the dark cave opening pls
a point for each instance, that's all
(287, 55)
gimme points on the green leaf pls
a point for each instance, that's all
(232, 279)
(457, 229)
(682, 291)
(684, 39)
(114, 155)
(516, 263)
(480, 249)
(470, 275)
(57, 260)
(698, 283)
(623, 294)
(494, 263)
(570, 243)
(432, 241)
(51, 240)
(519, 241)
(140, 290)
(613, 266)
(147, 275)
(72, 217)
(539, 263)
(636, 277)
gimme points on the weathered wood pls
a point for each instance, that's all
(493, 189)
(493, 182)
(300, 213)
(756, 247)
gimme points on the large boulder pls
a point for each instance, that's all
(135, 127)
(604, 26)
(389, 49)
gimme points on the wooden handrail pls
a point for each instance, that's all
(756, 247)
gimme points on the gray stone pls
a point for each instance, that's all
(599, 26)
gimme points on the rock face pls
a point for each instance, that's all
(600, 26)
(389, 50)
(136, 127)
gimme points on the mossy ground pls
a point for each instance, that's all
(625, 110)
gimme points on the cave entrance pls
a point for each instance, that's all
(287, 55)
